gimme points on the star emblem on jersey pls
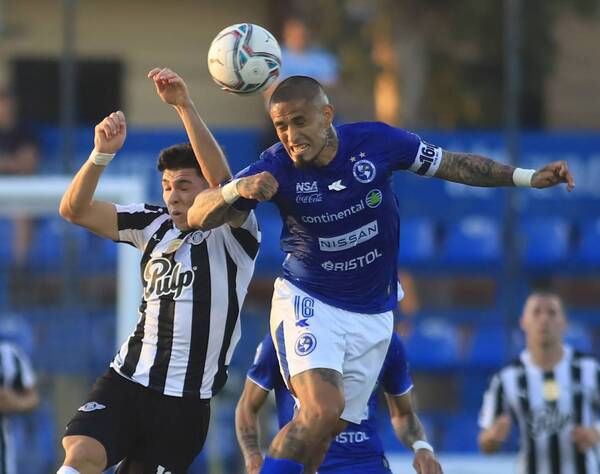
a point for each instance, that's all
(362, 154)
(91, 406)
(353, 159)
(336, 186)
(305, 344)
(364, 171)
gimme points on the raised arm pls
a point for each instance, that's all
(246, 425)
(78, 205)
(475, 170)
(172, 89)
(214, 207)
(409, 430)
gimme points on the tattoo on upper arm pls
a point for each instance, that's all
(474, 170)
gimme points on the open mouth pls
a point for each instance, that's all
(299, 148)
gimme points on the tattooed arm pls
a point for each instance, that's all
(408, 429)
(210, 209)
(475, 170)
(246, 425)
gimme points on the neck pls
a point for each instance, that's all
(327, 154)
(546, 357)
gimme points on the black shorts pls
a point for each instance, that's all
(141, 426)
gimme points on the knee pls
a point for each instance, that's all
(84, 453)
(322, 419)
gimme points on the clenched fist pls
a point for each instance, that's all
(260, 187)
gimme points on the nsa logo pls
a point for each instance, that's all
(307, 187)
(91, 406)
(374, 198)
(305, 344)
(364, 171)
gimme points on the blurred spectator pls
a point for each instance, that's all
(299, 58)
(19, 155)
(17, 395)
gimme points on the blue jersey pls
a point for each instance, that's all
(358, 443)
(341, 225)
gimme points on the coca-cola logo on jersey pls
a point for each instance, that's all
(165, 278)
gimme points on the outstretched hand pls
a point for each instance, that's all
(170, 87)
(552, 174)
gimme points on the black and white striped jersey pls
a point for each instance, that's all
(547, 406)
(15, 374)
(194, 284)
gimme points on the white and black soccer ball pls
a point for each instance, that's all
(244, 58)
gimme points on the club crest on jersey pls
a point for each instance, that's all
(197, 237)
(305, 344)
(164, 278)
(364, 171)
(91, 406)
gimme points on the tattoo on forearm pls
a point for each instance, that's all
(410, 431)
(248, 439)
(293, 444)
(474, 170)
(211, 206)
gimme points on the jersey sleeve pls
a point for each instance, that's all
(395, 378)
(493, 403)
(265, 367)
(408, 151)
(242, 242)
(137, 222)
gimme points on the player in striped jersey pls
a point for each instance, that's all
(17, 395)
(553, 393)
(151, 410)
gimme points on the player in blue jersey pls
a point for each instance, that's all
(358, 449)
(331, 317)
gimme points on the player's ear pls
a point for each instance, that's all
(328, 113)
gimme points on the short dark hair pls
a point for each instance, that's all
(178, 157)
(297, 87)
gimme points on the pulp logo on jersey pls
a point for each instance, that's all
(352, 264)
(549, 420)
(364, 171)
(352, 437)
(91, 406)
(305, 344)
(350, 239)
(307, 187)
(164, 278)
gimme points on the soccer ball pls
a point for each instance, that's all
(244, 58)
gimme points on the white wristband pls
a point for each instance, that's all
(422, 445)
(229, 192)
(101, 159)
(522, 177)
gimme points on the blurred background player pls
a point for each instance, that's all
(151, 410)
(18, 394)
(552, 391)
(19, 155)
(358, 449)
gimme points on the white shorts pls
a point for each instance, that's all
(309, 334)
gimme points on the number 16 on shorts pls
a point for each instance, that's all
(304, 309)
